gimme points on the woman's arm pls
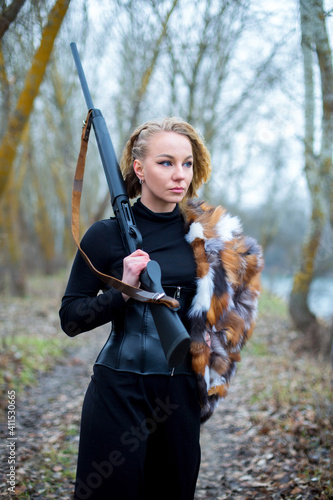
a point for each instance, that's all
(83, 306)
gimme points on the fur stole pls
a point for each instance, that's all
(223, 310)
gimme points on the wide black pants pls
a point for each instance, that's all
(139, 437)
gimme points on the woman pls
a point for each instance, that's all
(141, 419)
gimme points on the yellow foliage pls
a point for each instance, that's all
(24, 106)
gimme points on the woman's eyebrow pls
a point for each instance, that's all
(165, 155)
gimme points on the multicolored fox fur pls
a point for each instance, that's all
(223, 311)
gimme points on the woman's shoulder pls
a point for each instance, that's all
(220, 231)
(102, 231)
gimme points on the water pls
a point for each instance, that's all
(320, 296)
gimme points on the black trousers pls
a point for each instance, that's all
(139, 437)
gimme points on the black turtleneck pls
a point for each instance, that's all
(83, 307)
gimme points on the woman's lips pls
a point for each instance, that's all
(177, 190)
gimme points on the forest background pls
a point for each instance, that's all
(255, 78)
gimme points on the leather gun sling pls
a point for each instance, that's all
(131, 291)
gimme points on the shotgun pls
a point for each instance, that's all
(174, 338)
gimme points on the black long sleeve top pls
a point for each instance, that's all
(86, 303)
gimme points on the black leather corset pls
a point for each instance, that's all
(134, 344)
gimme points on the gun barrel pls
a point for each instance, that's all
(119, 199)
(82, 77)
(108, 156)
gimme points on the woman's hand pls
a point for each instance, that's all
(134, 264)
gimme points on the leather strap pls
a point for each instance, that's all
(131, 291)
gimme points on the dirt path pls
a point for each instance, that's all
(243, 455)
(53, 406)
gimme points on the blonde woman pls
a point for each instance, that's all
(140, 426)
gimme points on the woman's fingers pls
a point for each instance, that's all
(134, 264)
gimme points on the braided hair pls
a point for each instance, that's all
(136, 148)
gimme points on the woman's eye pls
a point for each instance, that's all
(166, 163)
(188, 164)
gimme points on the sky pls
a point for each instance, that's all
(279, 121)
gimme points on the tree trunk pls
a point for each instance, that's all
(17, 121)
(43, 225)
(5, 89)
(13, 273)
(298, 304)
(324, 54)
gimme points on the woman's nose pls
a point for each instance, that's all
(179, 172)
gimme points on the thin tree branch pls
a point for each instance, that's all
(8, 16)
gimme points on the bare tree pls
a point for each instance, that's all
(24, 106)
(324, 54)
(317, 167)
(139, 71)
(11, 183)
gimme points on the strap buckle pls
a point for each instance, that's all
(157, 296)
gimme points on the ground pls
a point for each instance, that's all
(270, 438)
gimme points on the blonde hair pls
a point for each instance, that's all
(136, 148)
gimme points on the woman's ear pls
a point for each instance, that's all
(138, 169)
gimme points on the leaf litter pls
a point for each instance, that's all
(271, 438)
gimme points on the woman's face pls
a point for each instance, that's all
(166, 172)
